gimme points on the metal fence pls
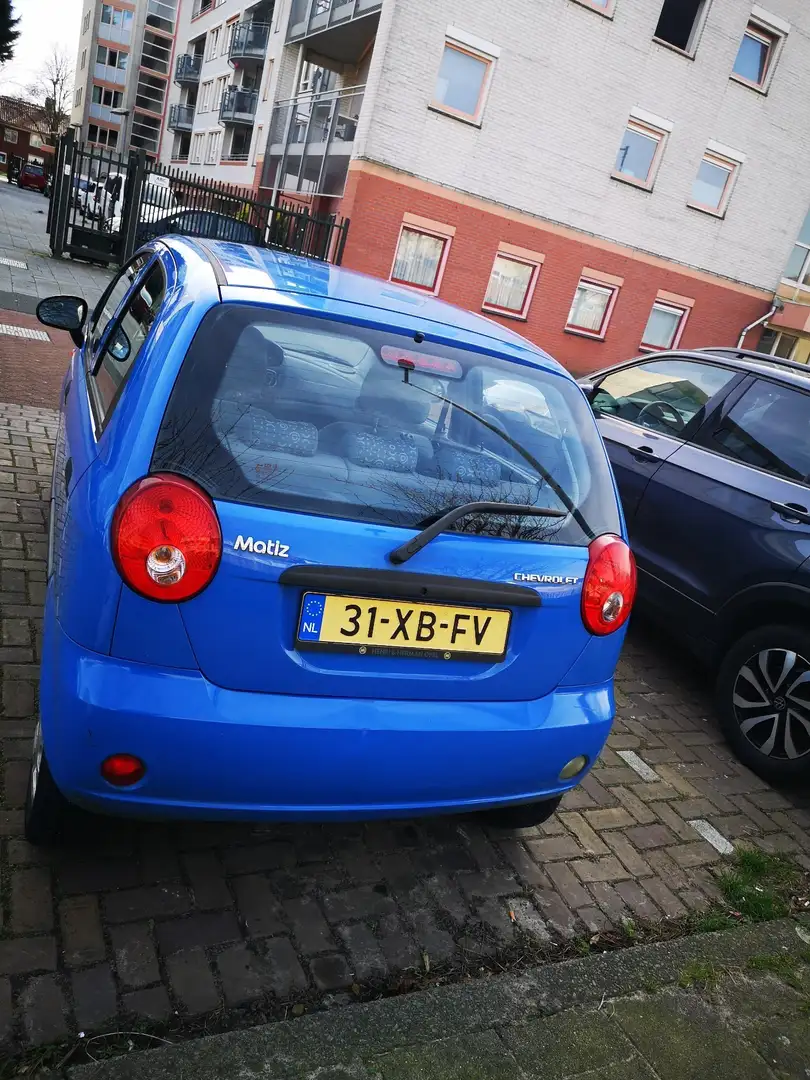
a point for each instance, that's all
(105, 205)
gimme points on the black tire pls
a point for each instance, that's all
(46, 808)
(523, 815)
(759, 677)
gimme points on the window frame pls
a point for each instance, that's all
(723, 162)
(773, 40)
(779, 335)
(593, 5)
(515, 255)
(424, 230)
(683, 311)
(694, 37)
(478, 53)
(648, 130)
(599, 286)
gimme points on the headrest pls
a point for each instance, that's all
(252, 368)
(385, 395)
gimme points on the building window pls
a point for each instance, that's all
(213, 43)
(512, 282)
(205, 96)
(712, 187)
(680, 22)
(604, 7)
(84, 59)
(592, 307)
(798, 267)
(86, 23)
(463, 81)
(257, 146)
(3, 158)
(77, 97)
(664, 326)
(222, 86)
(777, 343)
(639, 154)
(11, 135)
(420, 259)
(756, 55)
(197, 148)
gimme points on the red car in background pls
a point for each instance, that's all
(32, 176)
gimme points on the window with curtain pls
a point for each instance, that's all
(590, 310)
(663, 326)
(509, 284)
(419, 259)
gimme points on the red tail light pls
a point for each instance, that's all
(123, 770)
(610, 585)
(166, 539)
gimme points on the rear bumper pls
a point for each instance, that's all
(213, 754)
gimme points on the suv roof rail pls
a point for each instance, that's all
(752, 354)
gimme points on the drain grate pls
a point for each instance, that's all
(23, 332)
(13, 262)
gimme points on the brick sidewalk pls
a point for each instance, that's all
(133, 922)
(31, 371)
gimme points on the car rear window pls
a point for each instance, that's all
(34, 170)
(324, 417)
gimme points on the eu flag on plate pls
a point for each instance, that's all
(309, 628)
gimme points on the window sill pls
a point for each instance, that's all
(599, 11)
(706, 210)
(468, 120)
(642, 185)
(504, 314)
(756, 87)
(674, 48)
(584, 333)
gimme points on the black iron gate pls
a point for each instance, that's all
(104, 205)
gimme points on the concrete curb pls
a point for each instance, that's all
(345, 1035)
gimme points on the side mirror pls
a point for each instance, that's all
(589, 389)
(64, 313)
(120, 347)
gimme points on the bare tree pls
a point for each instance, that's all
(51, 90)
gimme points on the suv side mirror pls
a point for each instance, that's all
(64, 313)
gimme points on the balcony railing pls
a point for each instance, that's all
(312, 140)
(249, 42)
(314, 16)
(187, 69)
(238, 106)
(181, 117)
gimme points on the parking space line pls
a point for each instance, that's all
(637, 764)
(716, 839)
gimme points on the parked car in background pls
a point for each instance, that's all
(83, 188)
(203, 223)
(106, 201)
(32, 176)
(338, 572)
(711, 452)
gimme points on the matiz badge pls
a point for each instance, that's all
(546, 579)
(262, 547)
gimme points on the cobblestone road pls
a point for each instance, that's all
(132, 923)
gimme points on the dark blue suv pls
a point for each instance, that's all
(711, 451)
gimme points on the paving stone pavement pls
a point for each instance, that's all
(134, 922)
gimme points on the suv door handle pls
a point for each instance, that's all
(792, 511)
(644, 453)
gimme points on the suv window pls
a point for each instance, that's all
(664, 395)
(125, 342)
(315, 415)
(111, 300)
(768, 428)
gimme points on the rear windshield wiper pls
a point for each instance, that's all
(411, 547)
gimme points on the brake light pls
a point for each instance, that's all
(166, 539)
(609, 587)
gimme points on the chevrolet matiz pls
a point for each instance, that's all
(321, 547)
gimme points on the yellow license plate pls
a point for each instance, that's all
(375, 627)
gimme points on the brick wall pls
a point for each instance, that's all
(377, 203)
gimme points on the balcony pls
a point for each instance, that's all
(181, 117)
(312, 141)
(187, 69)
(340, 29)
(249, 43)
(238, 106)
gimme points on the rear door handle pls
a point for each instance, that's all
(644, 453)
(792, 511)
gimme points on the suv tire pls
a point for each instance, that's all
(762, 676)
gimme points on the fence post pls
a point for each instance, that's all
(344, 232)
(131, 210)
(62, 194)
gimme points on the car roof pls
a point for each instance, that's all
(246, 266)
(743, 360)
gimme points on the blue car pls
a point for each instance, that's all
(321, 547)
(711, 451)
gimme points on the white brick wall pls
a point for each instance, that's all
(561, 93)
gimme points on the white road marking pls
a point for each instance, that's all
(716, 839)
(13, 262)
(23, 332)
(631, 758)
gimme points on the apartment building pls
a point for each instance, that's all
(787, 332)
(220, 103)
(607, 176)
(122, 73)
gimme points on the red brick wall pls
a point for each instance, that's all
(376, 206)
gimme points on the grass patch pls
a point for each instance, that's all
(758, 886)
(699, 975)
(783, 965)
